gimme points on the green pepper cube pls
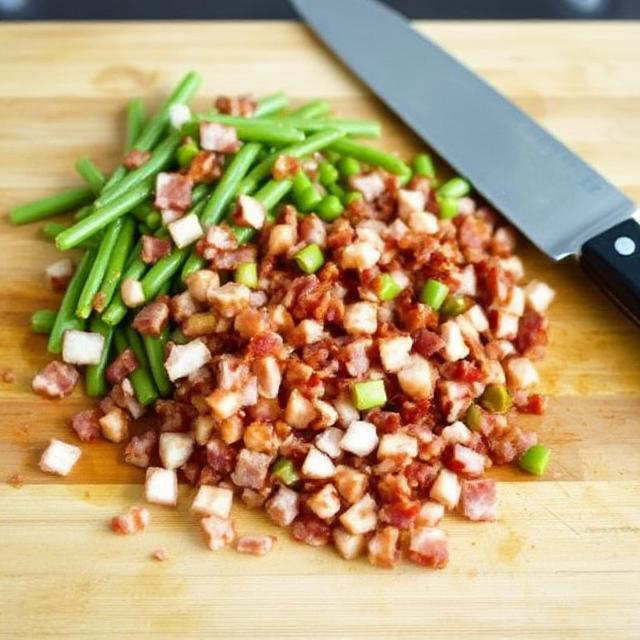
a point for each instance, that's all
(434, 293)
(368, 395)
(496, 398)
(285, 471)
(330, 208)
(309, 259)
(327, 173)
(423, 166)
(455, 188)
(247, 274)
(453, 306)
(386, 287)
(535, 459)
(473, 418)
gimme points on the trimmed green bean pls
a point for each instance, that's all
(274, 132)
(51, 205)
(83, 212)
(161, 157)
(117, 261)
(102, 217)
(162, 271)
(154, 348)
(185, 153)
(42, 321)
(348, 167)
(52, 229)
(90, 174)
(141, 381)
(313, 143)
(136, 116)
(423, 166)
(95, 382)
(98, 270)
(271, 104)
(370, 155)
(117, 309)
(311, 109)
(66, 314)
(115, 177)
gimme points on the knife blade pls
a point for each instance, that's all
(555, 198)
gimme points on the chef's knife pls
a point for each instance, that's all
(558, 201)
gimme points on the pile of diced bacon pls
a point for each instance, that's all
(266, 376)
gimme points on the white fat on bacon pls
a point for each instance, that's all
(329, 441)
(250, 212)
(521, 373)
(283, 506)
(348, 545)
(394, 352)
(397, 445)
(361, 517)
(217, 532)
(359, 255)
(506, 325)
(281, 238)
(455, 347)
(410, 202)
(82, 347)
(430, 514)
(132, 292)
(479, 499)
(59, 457)
(175, 449)
(417, 379)
(446, 489)
(360, 318)
(370, 185)
(186, 230)
(456, 433)
(161, 486)
(114, 425)
(218, 137)
(186, 359)
(360, 438)
(539, 296)
(317, 465)
(59, 273)
(213, 501)
(255, 545)
(324, 503)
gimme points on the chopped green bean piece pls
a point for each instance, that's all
(141, 381)
(154, 347)
(285, 471)
(535, 459)
(42, 321)
(90, 174)
(327, 173)
(178, 337)
(370, 155)
(96, 384)
(136, 116)
(330, 208)
(455, 188)
(453, 306)
(386, 287)
(310, 258)
(423, 166)
(247, 274)
(448, 207)
(186, 153)
(308, 199)
(51, 205)
(353, 196)
(434, 293)
(368, 395)
(348, 167)
(496, 398)
(274, 132)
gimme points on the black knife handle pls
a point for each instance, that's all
(612, 259)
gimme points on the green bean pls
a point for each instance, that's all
(144, 230)
(113, 273)
(370, 155)
(102, 217)
(98, 270)
(51, 205)
(271, 104)
(90, 174)
(154, 348)
(83, 212)
(115, 177)
(423, 165)
(141, 381)
(42, 321)
(312, 144)
(136, 115)
(162, 271)
(348, 167)
(52, 229)
(185, 153)
(154, 129)
(304, 193)
(274, 132)
(66, 314)
(95, 382)
(355, 128)
(311, 109)
(161, 157)
(117, 309)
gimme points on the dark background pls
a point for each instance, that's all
(274, 9)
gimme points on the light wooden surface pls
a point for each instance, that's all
(564, 560)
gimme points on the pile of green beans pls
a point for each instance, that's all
(113, 211)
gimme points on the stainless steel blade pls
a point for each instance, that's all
(550, 194)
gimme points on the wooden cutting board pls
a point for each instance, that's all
(562, 562)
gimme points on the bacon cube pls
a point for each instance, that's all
(218, 137)
(348, 545)
(255, 545)
(360, 517)
(218, 532)
(213, 501)
(173, 191)
(283, 506)
(161, 486)
(429, 546)
(383, 548)
(479, 499)
(59, 457)
(175, 449)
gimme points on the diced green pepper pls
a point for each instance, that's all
(247, 274)
(535, 459)
(285, 471)
(368, 395)
(453, 306)
(310, 258)
(386, 287)
(434, 293)
(496, 398)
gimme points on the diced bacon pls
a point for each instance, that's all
(175, 449)
(499, 349)
(410, 202)
(269, 376)
(521, 373)
(16, 481)
(179, 114)
(251, 322)
(351, 484)
(224, 403)
(317, 465)
(281, 238)
(244, 106)
(327, 415)
(161, 486)
(329, 441)
(56, 380)
(454, 345)
(218, 532)
(255, 545)
(59, 457)
(347, 413)
(283, 507)
(152, 319)
(360, 438)
(426, 342)
(359, 255)
(446, 489)
(186, 359)
(204, 168)
(466, 461)
(455, 398)
(349, 546)
(503, 325)
(467, 282)
(213, 501)
(124, 364)
(132, 292)
(259, 436)
(59, 273)
(360, 517)
(383, 548)
(479, 499)
(140, 448)
(513, 266)
(136, 520)
(530, 402)
(401, 513)
(417, 379)
(160, 555)
(8, 376)
(285, 167)
(115, 425)
(306, 332)
(515, 301)
(476, 316)
(249, 212)
(218, 137)
(355, 356)
(85, 424)
(429, 546)
(185, 230)
(506, 447)
(423, 222)
(324, 503)
(251, 469)
(299, 411)
(313, 230)
(456, 433)
(82, 347)
(397, 445)
(135, 158)
(200, 282)
(532, 335)
(396, 230)
(229, 299)
(370, 185)
(394, 352)
(539, 296)
(311, 530)
(466, 206)
(430, 514)
(170, 215)
(173, 191)
(360, 318)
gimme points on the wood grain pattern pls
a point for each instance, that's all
(562, 562)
